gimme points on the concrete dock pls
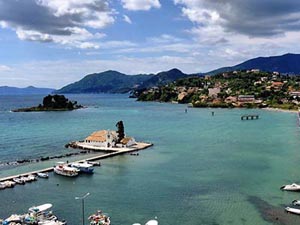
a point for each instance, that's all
(113, 152)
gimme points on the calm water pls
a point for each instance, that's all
(201, 170)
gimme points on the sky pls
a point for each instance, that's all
(51, 43)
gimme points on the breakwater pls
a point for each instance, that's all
(138, 146)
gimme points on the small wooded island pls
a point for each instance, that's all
(52, 103)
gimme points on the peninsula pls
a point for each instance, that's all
(244, 88)
(52, 103)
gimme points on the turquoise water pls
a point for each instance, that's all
(202, 169)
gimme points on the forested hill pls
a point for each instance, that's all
(116, 82)
(288, 63)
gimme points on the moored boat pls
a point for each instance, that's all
(152, 222)
(65, 170)
(18, 180)
(83, 167)
(296, 202)
(43, 175)
(94, 163)
(9, 184)
(292, 210)
(99, 219)
(291, 187)
(31, 177)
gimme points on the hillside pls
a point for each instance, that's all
(163, 78)
(116, 82)
(288, 63)
(5, 90)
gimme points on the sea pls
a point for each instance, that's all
(203, 169)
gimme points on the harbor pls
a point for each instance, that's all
(114, 152)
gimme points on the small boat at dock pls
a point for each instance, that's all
(43, 175)
(291, 187)
(18, 180)
(99, 219)
(65, 170)
(152, 222)
(296, 202)
(93, 163)
(292, 210)
(84, 167)
(9, 184)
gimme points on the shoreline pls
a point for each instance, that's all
(281, 110)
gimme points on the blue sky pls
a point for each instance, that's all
(50, 43)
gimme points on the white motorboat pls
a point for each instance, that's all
(291, 187)
(18, 180)
(9, 184)
(292, 210)
(31, 177)
(94, 163)
(40, 208)
(2, 186)
(83, 167)
(296, 202)
(65, 170)
(14, 219)
(152, 222)
(43, 175)
(51, 222)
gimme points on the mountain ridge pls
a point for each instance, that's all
(8, 90)
(287, 63)
(111, 81)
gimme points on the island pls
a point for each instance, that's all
(52, 103)
(245, 89)
(109, 141)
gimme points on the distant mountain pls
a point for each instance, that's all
(288, 63)
(5, 90)
(105, 82)
(116, 82)
(163, 78)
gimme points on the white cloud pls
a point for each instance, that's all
(73, 23)
(136, 5)
(127, 19)
(4, 68)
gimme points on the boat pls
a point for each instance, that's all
(13, 219)
(65, 170)
(2, 186)
(40, 208)
(152, 222)
(99, 219)
(18, 180)
(292, 210)
(31, 177)
(42, 215)
(26, 179)
(296, 202)
(84, 167)
(43, 175)
(93, 163)
(291, 187)
(9, 184)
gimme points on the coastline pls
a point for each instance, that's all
(281, 110)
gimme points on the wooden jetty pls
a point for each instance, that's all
(139, 146)
(249, 117)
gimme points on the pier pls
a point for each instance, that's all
(113, 152)
(249, 117)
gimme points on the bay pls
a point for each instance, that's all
(202, 169)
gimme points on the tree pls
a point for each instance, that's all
(120, 131)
